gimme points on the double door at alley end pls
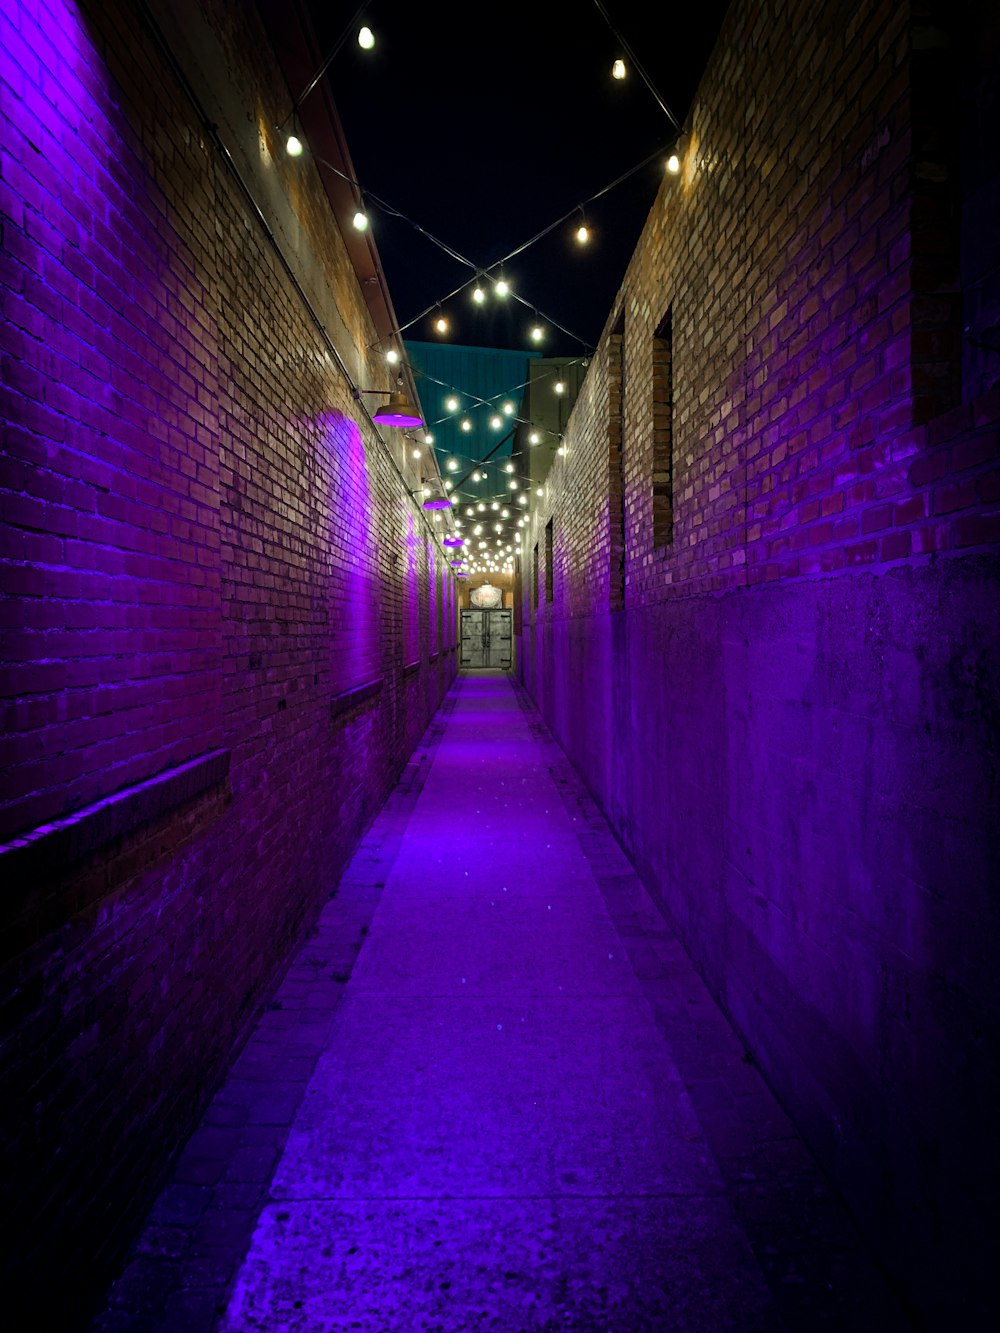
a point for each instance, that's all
(486, 638)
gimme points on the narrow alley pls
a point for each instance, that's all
(526, 1112)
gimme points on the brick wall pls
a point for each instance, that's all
(213, 575)
(792, 723)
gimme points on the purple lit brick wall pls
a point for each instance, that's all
(203, 594)
(793, 721)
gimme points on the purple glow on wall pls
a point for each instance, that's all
(118, 659)
(355, 587)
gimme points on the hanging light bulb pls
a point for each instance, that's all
(496, 422)
(534, 438)
(452, 464)
(293, 146)
(561, 450)
(539, 490)
(508, 409)
(508, 467)
(360, 221)
(478, 295)
(618, 70)
(522, 499)
(560, 386)
(513, 485)
(449, 485)
(495, 505)
(502, 287)
(366, 39)
(416, 453)
(673, 164)
(441, 324)
(392, 356)
(466, 424)
(428, 437)
(481, 507)
(582, 234)
(505, 513)
(537, 333)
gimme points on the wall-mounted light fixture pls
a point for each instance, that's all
(398, 411)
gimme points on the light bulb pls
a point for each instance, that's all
(582, 235)
(416, 453)
(366, 39)
(508, 409)
(513, 485)
(502, 287)
(392, 356)
(673, 164)
(522, 499)
(618, 69)
(495, 505)
(449, 484)
(496, 422)
(508, 467)
(561, 450)
(481, 507)
(293, 146)
(471, 510)
(534, 438)
(536, 333)
(477, 529)
(478, 295)
(360, 221)
(428, 437)
(441, 324)
(452, 464)
(466, 424)
(560, 386)
(539, 490)
(451, 404)
(437, 518)
(505, 513)
(498, 527)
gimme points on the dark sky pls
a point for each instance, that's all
(484, 123)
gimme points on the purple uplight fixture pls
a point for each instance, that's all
(398, 411)
(434, 495)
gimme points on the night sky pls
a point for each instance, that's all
(484, 124)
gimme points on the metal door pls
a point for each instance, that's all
(486, 639)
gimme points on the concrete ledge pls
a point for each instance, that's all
(354, 697)
(51, 848)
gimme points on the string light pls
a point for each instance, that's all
(293, 146)
(451, 404)
(534, 438)
(582, 234)
(452, 464)
(478, 295)
(466, 424)
(508, 409)
(441, 324)
(392, 356)
(560, 386)
(366, 39)
(502, 287)
(673, 164)
(416, 453)
(537, 333)
(496, 422)
(428, 437)
(618, 70)
(360, 221)
(508, 467)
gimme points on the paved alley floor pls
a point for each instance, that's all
(492, 1094)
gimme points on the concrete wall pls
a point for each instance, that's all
(772, 644)
(213, 575)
